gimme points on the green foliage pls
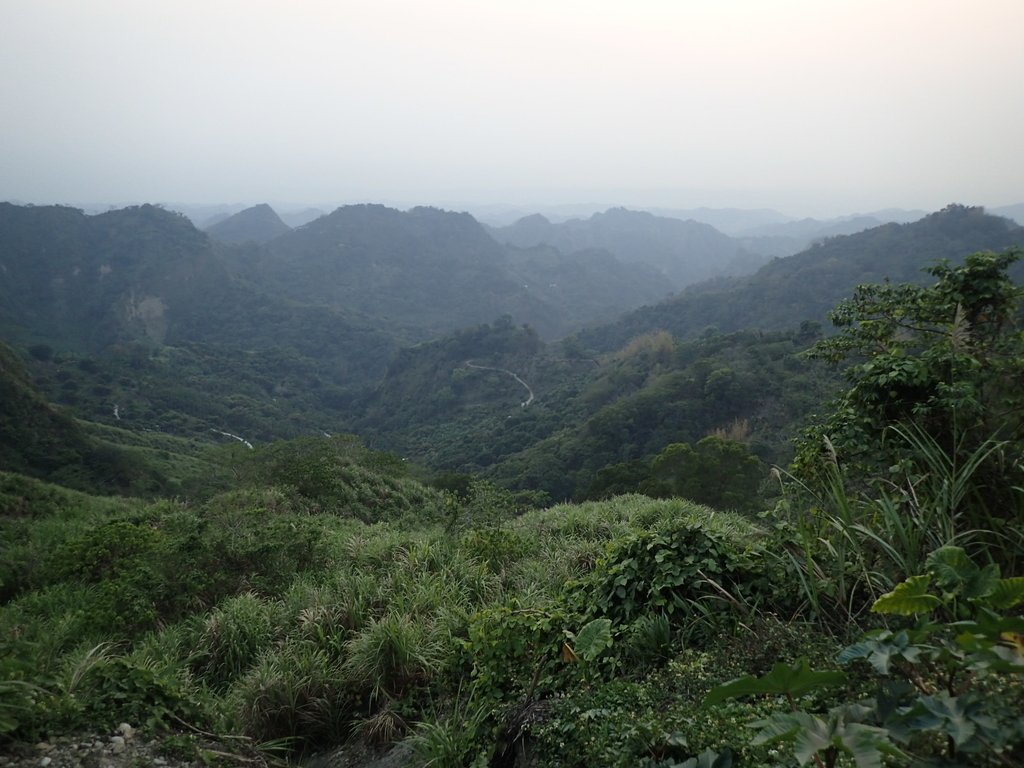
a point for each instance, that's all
(114, 690)
(789, 680)
(718, 472)
(386, 657)
(649, 639)
(294, 692)
(232, 637)
(960, 583)
(945, 359)
(709, 759)
(593, 639)
(824, 739)
(46, 442)
(908, 597)
(451, 739)
(960, 680)
(681, 570)
(513, 650)
(340, 476)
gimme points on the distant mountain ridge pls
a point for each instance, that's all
(423, 272)
(805, 286)
(257, 224)
(348, 287)
(685, 252)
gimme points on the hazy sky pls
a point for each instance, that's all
(807, 106)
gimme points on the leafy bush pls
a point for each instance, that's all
(679, 569)
(950, 691)
(113, 690)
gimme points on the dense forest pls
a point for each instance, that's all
(398, 488)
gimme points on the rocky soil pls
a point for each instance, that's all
(126, 748)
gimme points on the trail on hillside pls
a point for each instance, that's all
(242, 440)
(529, 399)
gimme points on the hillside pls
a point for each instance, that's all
(804, 287)
(318, 599)
(495, 400)
(257, 224)
(424, 272)
(684, 252)
(143, 275)
(41, 440)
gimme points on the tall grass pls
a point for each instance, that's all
(853, 546)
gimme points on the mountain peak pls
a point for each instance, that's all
(258, 224)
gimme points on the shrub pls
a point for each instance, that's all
(296, 691)
(684, 570)
(233, 635)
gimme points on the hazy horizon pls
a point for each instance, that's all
(808, 108)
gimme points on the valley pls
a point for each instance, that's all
(400, 483)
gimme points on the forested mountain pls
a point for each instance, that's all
(138, 310)
(41, 440)
(426, 271)
(494, 399)
(86, 282)
(684, 252)
(791, 237)
(260, 341)
(804, 287)
(330, 601)
(257, 224)
(146, 275)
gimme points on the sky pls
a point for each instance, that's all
(810, 107)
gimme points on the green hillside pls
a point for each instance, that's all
(425, 272)
(804, 287)
(41, 440)
(314, 600)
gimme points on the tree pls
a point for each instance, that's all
(934, 378)
(718, 472)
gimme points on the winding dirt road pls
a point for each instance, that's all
(529, 392)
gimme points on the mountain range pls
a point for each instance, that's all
(804, 287)
(412, 327)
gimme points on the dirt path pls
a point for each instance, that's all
(529, 392)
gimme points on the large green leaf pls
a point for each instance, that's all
(812, 734)
(594, 638)
(784, 679)
(908, 597)
(956, 573)
(952, 716)
(881, 649)
(1007, 593)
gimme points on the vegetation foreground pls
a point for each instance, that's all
(869, 616)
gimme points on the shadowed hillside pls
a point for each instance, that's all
(257, 224)
(804, 287)
(684, 252)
